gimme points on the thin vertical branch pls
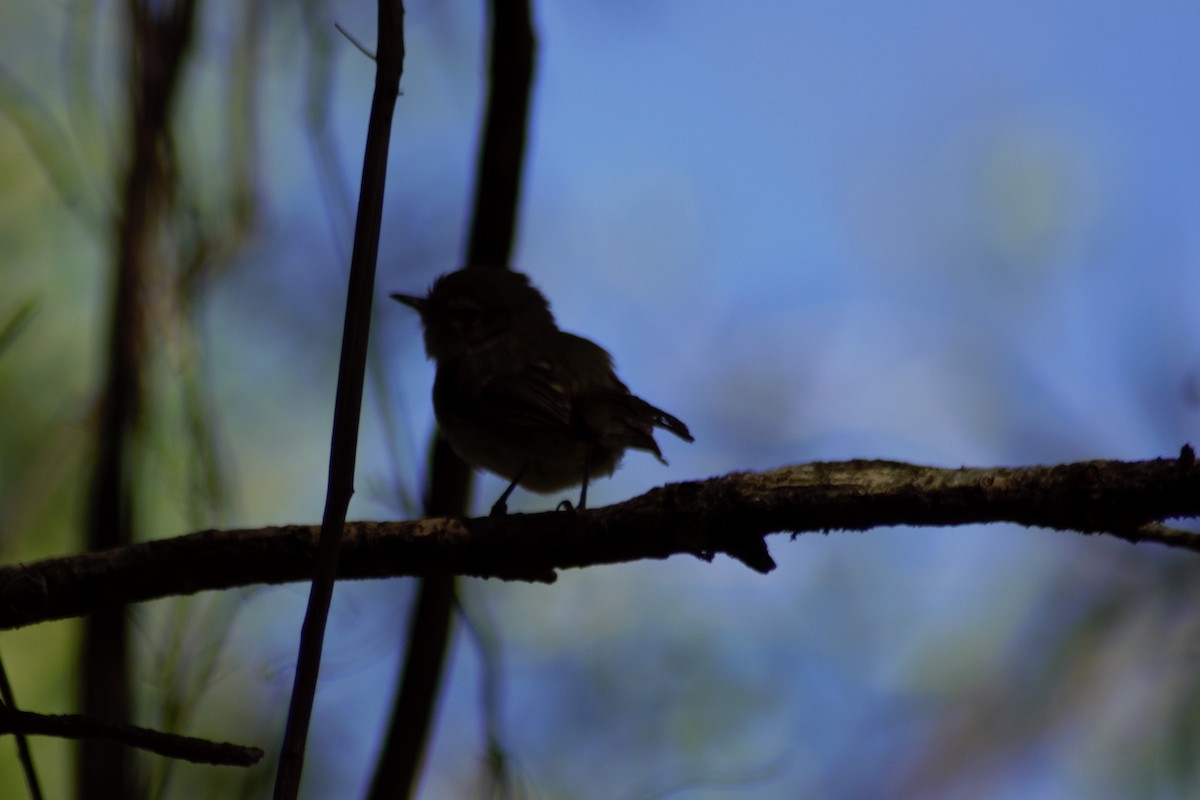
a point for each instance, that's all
(348, 402)
(493, 230)
(338, 202)
(160, 36)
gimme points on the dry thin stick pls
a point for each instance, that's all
(348, 401)
(23, 754)
(171, 745)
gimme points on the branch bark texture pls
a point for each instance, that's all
(730, 514)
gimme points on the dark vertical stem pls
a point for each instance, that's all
(430, 626)
(501, 157)
(493, 226)
(348, 402)
(159, 36)
(429, 633)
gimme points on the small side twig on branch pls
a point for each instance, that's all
(730, 514)
(78, 726)
(8, 700)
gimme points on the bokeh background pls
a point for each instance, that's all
(948, 233)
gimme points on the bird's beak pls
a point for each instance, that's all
(417, 303)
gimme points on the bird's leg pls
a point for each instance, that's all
(587, 460)
(500, 507)
(565, 505)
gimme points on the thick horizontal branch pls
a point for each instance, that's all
(729, 514)
(77, 726)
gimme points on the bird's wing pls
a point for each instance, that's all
(533, 397)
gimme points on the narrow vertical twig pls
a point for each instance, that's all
(493, 230)
(348, 402)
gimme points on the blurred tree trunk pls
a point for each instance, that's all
(158, 35)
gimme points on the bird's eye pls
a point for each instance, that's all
(466, 315)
